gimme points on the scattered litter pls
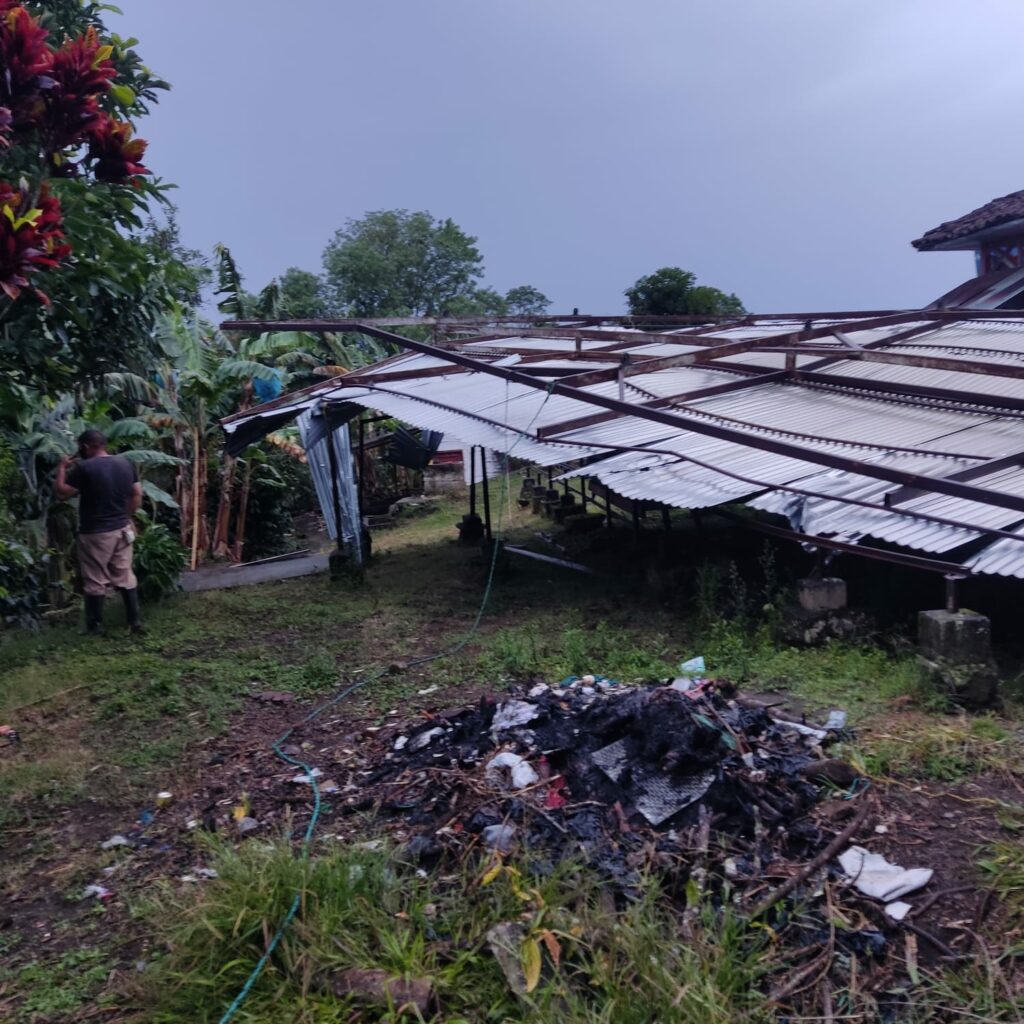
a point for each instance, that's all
(163, 798)
(307, 779)
(115, 841)
(274, 697)
(658, 796)
(836, 721)
(382, 989)
(100, 892)
(329, 786)
(247, 824)
(694, 668)
(506, 767)
(512, 715)
(146, 817)
(539, 690)
(881, 830)
(427, 690)
(500, 837)
(874, 876)
(9, 733)
(424, 739)
(192, 823)
(506, 943)
(401, 743)
(898, 910)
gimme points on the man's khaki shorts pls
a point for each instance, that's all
(106, 560)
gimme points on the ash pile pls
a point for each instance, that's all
(612, 775)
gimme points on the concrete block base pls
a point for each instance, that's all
(956, 651)
(827, 594)
(962, 637)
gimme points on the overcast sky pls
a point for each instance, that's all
(787, 150)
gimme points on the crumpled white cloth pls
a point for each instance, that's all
(874, 876)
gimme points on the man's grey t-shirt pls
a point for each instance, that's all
(104, 485)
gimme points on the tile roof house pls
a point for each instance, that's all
(995, 232)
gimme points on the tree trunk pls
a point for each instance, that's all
(243, 507)
(222, 525)
(196, 456)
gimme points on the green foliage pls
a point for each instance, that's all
(58, 989)
(362, 909)
(302, 295)
(525, 300)
(672, 291)
(106, 300)
(22, 583)
(944, 751)
(397, 263)
(159, 561)
(601, 649)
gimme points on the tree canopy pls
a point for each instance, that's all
(672, 291)
(397, 263)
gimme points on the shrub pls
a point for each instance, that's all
(159, 561)
(22, 583)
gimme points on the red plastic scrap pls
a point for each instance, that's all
(556, 796)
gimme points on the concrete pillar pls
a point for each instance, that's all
(957, 650)
(821, 594)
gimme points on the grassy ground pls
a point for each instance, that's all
(107, 723)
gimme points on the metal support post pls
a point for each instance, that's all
(485, 483)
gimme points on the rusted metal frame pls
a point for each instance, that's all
(759, 486)
(891, 339)
(904, 494)
(975, 399)
(861, 355)
(783, 448)
(721, 351)
(953, 569)
(567, 426)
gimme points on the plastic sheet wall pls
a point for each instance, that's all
(315, 440)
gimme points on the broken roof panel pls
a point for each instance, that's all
(882, 427)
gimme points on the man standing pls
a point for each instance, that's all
(109, 494)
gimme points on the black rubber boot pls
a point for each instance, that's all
(131, 610)
(94, 614)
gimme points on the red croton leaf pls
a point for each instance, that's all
(81, 71)
(25, 61)
(31, 238)
(116, 155)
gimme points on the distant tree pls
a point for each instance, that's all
(526, 301)
(672, 291)
(478, 302)
(397, 263)
(302, 295)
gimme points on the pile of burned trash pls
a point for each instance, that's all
(607, 774)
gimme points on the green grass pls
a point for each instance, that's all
(362, 910)
(56, 990)
(942, 749)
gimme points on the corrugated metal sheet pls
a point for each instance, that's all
(692, 470)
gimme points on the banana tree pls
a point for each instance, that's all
(200, 381)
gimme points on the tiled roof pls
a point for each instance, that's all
(998, 211)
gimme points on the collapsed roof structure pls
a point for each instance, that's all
(894, 435)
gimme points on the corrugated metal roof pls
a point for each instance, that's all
(908, 434)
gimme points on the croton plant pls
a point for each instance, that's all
(53, 125)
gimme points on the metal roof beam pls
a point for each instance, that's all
(567, 426)
(904, 494)
(860, 355)
(786, 449)
(974, 399)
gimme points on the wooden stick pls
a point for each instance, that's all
(823, 858)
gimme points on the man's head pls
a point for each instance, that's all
(90, 443)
